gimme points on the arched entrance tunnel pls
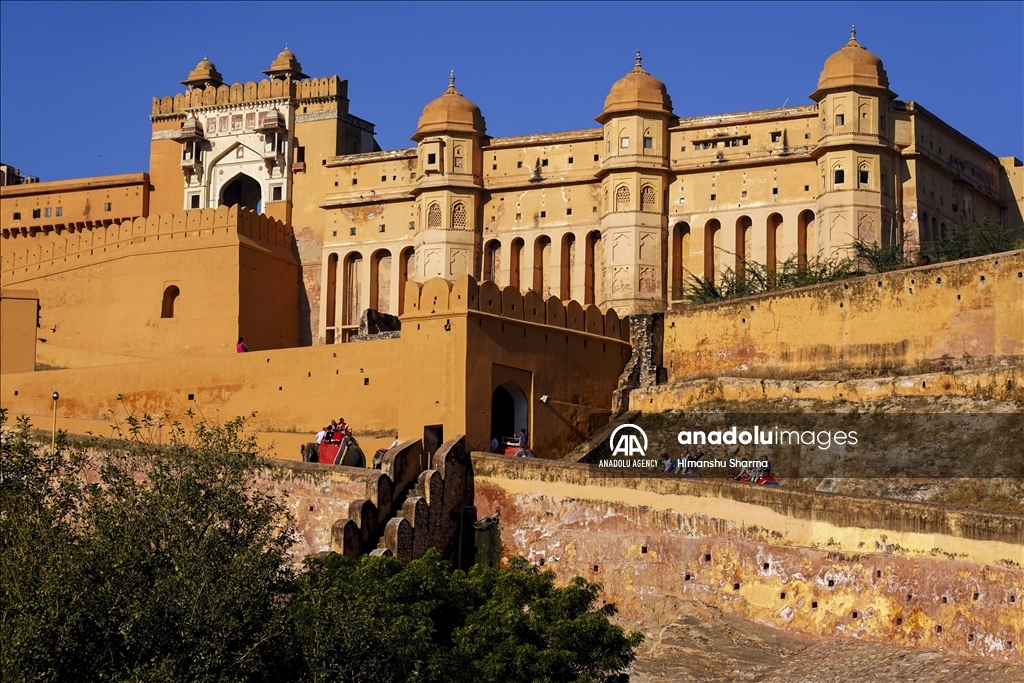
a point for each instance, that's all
(242, 190)
(510, 411)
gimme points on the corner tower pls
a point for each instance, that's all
(634, 183)
(449, 183)
(855, 157)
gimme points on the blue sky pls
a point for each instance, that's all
(77, 78)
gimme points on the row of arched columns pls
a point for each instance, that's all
(355, 280)
(567, 265)
(707, 249)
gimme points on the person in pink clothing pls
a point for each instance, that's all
(240, 347)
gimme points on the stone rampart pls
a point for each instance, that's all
(72, 248)
(885, 570)
(968, 308)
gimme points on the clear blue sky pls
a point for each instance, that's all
(77, 79)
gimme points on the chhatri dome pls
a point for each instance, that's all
(636, 91)
(285, 66)
(203, 75)
(451, 112)
(852, 66)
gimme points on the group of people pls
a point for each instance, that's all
(335, 445)
(519, 445)
(672, 464)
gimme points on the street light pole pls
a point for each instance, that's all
(53, 432)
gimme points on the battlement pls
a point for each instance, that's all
(70, 247)
(251, 91)
(438, 297)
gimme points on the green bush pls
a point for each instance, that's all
(136, 563)
(379, 619)
(755, 278)
(971, 239)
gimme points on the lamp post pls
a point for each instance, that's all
(53, 433)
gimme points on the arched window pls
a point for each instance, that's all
(621, 198)
(459, 216)
(434, 215)
(170, 295)
(647, 200)
(839, 177)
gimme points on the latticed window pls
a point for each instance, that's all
(647, 201)
(459, 216)
(621, 198)
(434, 215)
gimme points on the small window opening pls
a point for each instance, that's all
(570, 160)
(519, 164)
(36, 213)
(597, 157)
(431, 158)
(623, 142)
(568, 212)
(351, 231)
(275, 193)
(194, 201)
(863, 177)
(108, 206)
(839, 176)
(840, 120)
(170, 296)
(543, 162)
(17, 215)
(543, 214)
(776, 137)
(648, 143)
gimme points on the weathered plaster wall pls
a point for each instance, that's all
(827, 564)
(880, 322)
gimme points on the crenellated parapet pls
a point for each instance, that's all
(71, 247)
(251, 91)
(438, 297)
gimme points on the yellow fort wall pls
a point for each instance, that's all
(102, 289)
(441, 371)
(969, 308)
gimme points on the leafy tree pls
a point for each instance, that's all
(137, 563)
(126, 561)
(380, 620)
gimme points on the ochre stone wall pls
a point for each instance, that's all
(971, 308)
(19, 312)
(441, 371)
(102, 290)
(893, 571)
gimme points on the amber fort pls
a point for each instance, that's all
(473, 285)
